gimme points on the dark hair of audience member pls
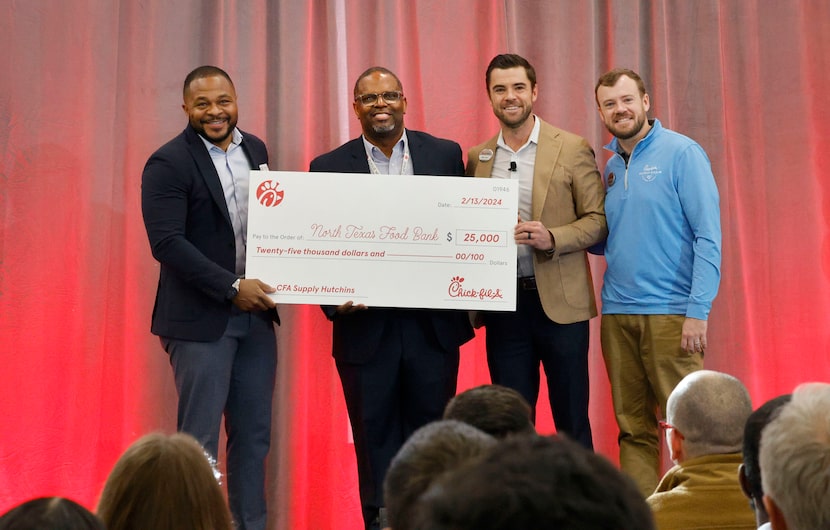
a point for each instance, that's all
(494, 409)
(752, 444)
(530, 482)
(52, 513)
(164, 483)
(431, 451)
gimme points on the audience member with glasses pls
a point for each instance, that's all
(704, 429)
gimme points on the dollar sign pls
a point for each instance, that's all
(449, 236)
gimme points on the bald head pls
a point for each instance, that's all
(710, 409)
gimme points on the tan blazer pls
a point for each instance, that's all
(568, 198)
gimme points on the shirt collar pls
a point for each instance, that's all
(372, 149)
(614, 144)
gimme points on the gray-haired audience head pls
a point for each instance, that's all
(795, 461)
(428, 454)
(749, 472)
(709, 409)
(528, 482)
(53, 513)
(494, 409)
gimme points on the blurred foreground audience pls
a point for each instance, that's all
(795, 461)
(164, 483)
(432, 451)
(749, 473)
(494, 409)
(50, 513)
(534, 482)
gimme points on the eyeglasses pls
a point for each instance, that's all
(371, 99)
(666, 426)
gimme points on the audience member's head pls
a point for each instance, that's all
(795, 461)
(750, 471)
(706, 413)
(52, 513)
(165, 483)
(535, 482)
(494, 409)
(427, 455)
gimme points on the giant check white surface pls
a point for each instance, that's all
(384, 240)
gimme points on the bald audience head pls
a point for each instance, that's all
(795, 461)
(495, 409)
(706, 413)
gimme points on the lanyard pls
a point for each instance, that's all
(373, 167)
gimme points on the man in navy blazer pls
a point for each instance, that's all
(216, 325)
(398, 367)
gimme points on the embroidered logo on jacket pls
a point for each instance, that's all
(649, 173)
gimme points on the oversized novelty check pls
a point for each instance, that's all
(381, 240)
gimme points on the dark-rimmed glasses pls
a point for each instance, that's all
(392, 96)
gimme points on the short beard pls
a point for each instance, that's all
(638, 126)
(384, 130)
(521, 121)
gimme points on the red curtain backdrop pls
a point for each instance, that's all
(90, 88)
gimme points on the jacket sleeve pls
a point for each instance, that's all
(701, 207)
(167, 198)
(589, 227)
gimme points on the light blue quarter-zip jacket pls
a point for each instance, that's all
(664, 236)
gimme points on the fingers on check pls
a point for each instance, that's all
(523, 231)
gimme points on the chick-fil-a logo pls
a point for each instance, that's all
(268, 195)
(457, 290)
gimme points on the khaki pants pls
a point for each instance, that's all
(644, 363)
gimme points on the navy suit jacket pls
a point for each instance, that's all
(357, 336)
(191, 236)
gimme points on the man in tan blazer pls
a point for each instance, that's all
(561, 214)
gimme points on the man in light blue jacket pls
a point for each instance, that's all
(663, 253)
